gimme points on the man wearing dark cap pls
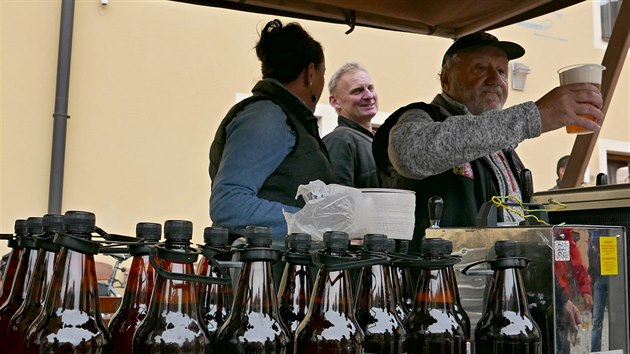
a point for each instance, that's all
(461, 145)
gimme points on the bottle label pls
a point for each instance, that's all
(561, 251)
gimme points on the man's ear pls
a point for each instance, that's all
(334, 102)
(444, 81)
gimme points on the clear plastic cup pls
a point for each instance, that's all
(590, 73)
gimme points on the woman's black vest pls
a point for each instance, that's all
(307, 161)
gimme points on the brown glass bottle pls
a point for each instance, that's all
(173, 323)
(14, 259)
(254, 325)
(407, 290)
(375, 305)
(23, 274)
(71, 321)
(506, 326)
(330, 326)
(38, 286)
(399, 303)
(140, 281)
(452, 280)
(215, 299)
(432, 325)
(296, 285)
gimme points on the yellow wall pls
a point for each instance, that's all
(151, 79)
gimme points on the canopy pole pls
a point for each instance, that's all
(613, 60)
(60, 115)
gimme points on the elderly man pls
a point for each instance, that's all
(461, 145)
(354, 98)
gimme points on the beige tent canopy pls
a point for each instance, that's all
(451, 19)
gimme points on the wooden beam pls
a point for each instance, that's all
(614, 58)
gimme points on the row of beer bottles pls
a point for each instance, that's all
(329, 324)
(50, 281)
(37, 307)
(315, 330)
(436, 324)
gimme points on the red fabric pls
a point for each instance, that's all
(580, 274)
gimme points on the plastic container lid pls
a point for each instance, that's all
(53, 223)
(336, 239)
(149, 231)
(434, 247)
(402, 246)
(375, 242)
(20, 227)
(507, 248)
(299, 241)
(35, 225)
(258, 236)
(217, 236)
(449, 246)
(79, 222)
(390, 245)
(178, 230)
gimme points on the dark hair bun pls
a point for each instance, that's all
(285, 51)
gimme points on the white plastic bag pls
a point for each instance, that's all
(331, 207)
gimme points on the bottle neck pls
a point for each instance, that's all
(172, 296)
(255, 291)
(9, 273)
(376, 288)
(507, 292)
(40, 280)
(332, 293)
(434, 291)
(140, 283)
(23, 274)
(295, 286)
(452, 282)
(74, 285)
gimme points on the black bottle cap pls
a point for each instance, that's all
(375, 242)
(79, 222)
(390, 245)
(149, 231)
(53, 223)
(507, 248)
(449, 246)
(258, 236)
(20, 227)
(35, 225)
(336, 239)
(402, 246)
(434, 247)
(299, 241)
(216, 236)
(178, 230)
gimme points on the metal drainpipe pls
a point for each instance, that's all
(60, 116)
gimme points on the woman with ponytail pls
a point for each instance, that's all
(268, 144)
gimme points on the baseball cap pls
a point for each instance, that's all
(482, 39)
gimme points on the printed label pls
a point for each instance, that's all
(561, 251)
(608, 255)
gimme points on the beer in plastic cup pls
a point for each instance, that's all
(590, 73)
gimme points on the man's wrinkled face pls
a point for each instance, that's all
(355, 96)
(478, 79)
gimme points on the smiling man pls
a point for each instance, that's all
(354, 98)
(461, 145)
